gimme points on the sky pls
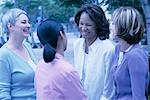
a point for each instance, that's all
(108, 16)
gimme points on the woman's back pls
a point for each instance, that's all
(58, 80)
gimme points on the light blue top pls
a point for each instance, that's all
(16, 75)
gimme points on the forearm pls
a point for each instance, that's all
(5, 91)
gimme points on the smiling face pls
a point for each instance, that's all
(87, 27)
(21, 27)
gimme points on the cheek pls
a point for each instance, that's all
(80, 28)
(65, 42)
(93, 29)
(113, 29)
(121, 44)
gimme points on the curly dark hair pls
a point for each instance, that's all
(97, 15)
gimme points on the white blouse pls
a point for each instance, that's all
(94, 68)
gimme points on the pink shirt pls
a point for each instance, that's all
(58, 80)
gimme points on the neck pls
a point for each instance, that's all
(90, 41)
(124, 46)
(60, 52)
(15, 43)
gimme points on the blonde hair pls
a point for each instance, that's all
(129, 24)
(10, 18)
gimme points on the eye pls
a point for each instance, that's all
(80, 23)
(23, 22)
(88, 25)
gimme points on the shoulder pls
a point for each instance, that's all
(5, 59)
(108, 46)
(4, 53)
(108, 43)
(78, 41)
(27, 45)
(137, 51)
(67, 67)
(137, 56)
(42, 65)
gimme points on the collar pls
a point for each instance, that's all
(128, 49)
(58, 56)
(95, 44)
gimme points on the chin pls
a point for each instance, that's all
(83, 36)
(26, 34)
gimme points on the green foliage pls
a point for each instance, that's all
(113, 4)
(70, 3)
(53, 9)
(34, 3)
(58, 12)
(9, 4)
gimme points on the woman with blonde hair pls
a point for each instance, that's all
(17, 60)
(131, 75)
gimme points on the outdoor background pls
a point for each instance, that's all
(64, 11)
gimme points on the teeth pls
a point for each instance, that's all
(84, 33)
(25, 30)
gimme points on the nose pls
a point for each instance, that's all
(84, 27)
(28, 25)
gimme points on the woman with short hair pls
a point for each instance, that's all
(17, 60)
(131, 74)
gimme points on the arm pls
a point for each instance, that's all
(138, 70)
(5, 81)
(111, 58)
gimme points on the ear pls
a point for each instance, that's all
(9, 25)
(62, 34)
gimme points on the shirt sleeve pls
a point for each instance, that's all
(73, 89)
(5, 78)
(111, 57)
(138, 70)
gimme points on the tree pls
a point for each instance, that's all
(69, 3)
(113, 4)
(146, 8)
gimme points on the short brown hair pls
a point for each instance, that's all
(129, 24)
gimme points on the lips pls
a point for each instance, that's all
(26, 30)
(84, 34)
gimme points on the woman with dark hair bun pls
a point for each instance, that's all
(55, 78)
